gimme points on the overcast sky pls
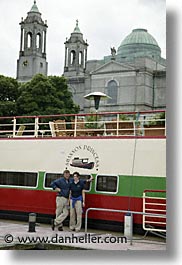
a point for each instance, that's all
(104, 23)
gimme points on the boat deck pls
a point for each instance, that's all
(107, 124)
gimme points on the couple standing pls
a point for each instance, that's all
(69, 192)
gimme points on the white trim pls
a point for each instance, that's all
(107, 192)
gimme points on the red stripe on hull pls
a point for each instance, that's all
(44, 202)
(116, 203)
(27, 200)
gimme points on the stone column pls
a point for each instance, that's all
(21, 40)
(66, 57)
(85, 58)
(45, 41)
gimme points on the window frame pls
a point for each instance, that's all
(107, 175)
(49, 188)
(116, 88)
(20, 186)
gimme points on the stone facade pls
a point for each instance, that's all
(135, 82)
(134, 76)
(32, 55)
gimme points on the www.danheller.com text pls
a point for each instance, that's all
(71, 239)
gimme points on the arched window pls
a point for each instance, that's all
(73, 57)
(38, 41)
(112, 91)
(29, 40)
(80, 58)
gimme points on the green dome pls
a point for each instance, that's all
(139, 43)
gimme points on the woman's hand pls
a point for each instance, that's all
(83, 204)
(90, 179)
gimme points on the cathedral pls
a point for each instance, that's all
(133, 75)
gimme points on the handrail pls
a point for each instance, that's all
(117, 211)
(106, 124)
(150, 206)
(85, 114)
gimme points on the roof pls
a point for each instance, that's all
(139, 36)
(34, 8)
(76, 29)
(139, 41)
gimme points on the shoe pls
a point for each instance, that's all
(52, 224)
(60, 228)
(72, 229)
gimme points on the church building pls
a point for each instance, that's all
(133, 75)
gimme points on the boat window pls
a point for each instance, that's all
(107, 183)
(87, 184)
(28, 179)
(53, 176)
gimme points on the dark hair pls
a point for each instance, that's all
(66, 171)
(76, 173)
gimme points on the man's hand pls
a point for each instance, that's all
(57, 189)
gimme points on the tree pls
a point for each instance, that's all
(8, 95)
(45, 96)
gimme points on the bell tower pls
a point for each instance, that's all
(32, 55)
(75, 54)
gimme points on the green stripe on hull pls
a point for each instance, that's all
(128, 185)
(135, 185)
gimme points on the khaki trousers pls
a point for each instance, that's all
(76, 216)
(61, 210)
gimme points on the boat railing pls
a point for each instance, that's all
(132, 213)
(140, 124)
(154, 202)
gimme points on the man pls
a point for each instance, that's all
(62, 186)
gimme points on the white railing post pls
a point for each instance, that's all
(36, 129)
(14, 127)
(143, 224)
(75, 126)
(117, 125)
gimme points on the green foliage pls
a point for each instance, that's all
(124, 117)
(8, 95)
(91, 122)
(45, 96)
(158, 119)
(40, 96)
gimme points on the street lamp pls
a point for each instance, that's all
(96, 96)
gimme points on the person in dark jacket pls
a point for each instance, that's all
(77, 201)
(62, 186)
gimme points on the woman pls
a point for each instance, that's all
(77, 201)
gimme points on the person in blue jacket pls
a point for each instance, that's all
(62, 186)
(77, 201)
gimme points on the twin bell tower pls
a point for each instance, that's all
(32, 55)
